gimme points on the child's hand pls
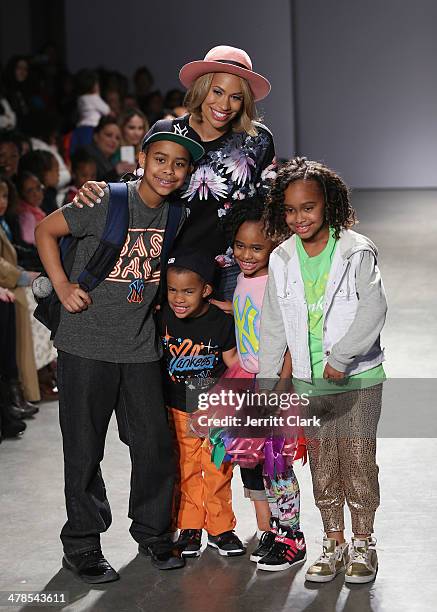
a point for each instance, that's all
(225, 306)
(6, 295)
(72, 297)
(331, 373)
(90, 193)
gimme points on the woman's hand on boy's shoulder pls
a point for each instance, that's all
(89, 194)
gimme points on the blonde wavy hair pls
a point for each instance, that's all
(243, 122)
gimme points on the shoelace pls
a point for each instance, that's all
(229, 537)
(278, 549)
(361, 556)
(325, 558)
(265, 537)
(91, 558)
(192, 535)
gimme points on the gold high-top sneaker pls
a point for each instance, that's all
(363, 562)
(333, 560)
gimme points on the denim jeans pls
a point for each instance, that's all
(89, 391)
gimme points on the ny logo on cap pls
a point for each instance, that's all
(182, 131)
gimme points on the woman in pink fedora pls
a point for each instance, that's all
(222, 90)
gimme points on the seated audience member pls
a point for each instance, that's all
(43, 352)
(13, 406)
(18, 87)
(14, 278)
(174, 98)
(66, 102)
(45, 167)
(8, 119)
(177, 111)
(143, 82)
(113, 99)
(83, 169)
(154, 106)
(129, 102)
(44, 128)
(133, 125)
(27, 254)
(22, 141)
(9, 154)
(31, 193)
(106, 141)
(90, 108)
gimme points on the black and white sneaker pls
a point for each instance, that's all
(189, 542)
(288, 549)
(264, 545)
(266, 541)
(227, 544)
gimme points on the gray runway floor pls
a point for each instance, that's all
(404, 226)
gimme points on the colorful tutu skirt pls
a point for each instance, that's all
(276, 448)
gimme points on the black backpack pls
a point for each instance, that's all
(48, 310)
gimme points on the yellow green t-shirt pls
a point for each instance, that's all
(315, 273)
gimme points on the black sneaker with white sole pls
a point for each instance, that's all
(288, 549)
(227, 543)
(189, 542)
(266, 541)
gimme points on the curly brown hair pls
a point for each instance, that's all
(338, 209)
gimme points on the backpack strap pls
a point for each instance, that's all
(174, 218)
(176, 210)
(111, 241)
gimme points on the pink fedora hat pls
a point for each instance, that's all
(230, 60)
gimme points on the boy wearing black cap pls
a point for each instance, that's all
(109, 360)
(199, 343)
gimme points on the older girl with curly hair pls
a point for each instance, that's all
(325, 302)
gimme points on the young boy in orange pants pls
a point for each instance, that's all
(199, 343)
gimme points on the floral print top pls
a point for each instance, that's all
(235, 166)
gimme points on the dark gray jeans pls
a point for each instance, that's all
(89, 391)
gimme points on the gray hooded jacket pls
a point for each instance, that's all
(354, 310)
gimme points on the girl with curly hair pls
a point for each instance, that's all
(325, 302)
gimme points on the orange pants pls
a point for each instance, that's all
(203, 497)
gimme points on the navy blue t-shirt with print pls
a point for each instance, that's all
(193, 349)
(235, 166)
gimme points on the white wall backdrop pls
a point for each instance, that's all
(151, 34)
(366, 89)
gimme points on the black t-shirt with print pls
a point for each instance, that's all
(235, 166)
(193, 349)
